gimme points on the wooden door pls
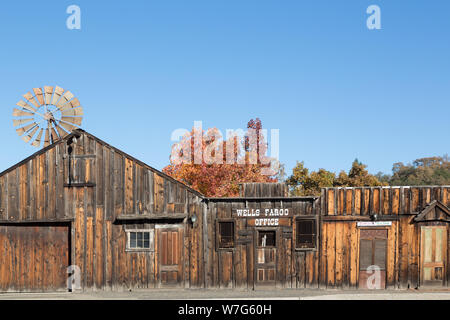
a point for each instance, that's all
(372, 259)
(34, 258)
(265, 256)
(433, 254)
(170, 256)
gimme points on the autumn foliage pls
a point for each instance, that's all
(214, 166)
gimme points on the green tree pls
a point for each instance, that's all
(423, 171)
(304, 183)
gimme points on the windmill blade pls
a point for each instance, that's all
(47, 138)
(21, 122)
(70, 105)
(76, 121)
(37, 141)
(21, 113)
(73, 112)
(61, 132)
(25, 105)
(39, 96)
(22, 130)
(57, 94)
(66, 97)
(67, 126)
(30, 98)
(28, 137)
(48, 94)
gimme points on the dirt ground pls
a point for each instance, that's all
(200, 294)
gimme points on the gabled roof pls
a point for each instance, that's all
(76, 133)
(434, 211)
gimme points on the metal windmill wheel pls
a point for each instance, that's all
(50, 112)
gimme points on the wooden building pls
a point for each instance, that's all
(83, 212)
(83, 203)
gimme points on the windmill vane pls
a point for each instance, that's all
(50, 112)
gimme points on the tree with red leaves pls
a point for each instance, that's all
(215, 167)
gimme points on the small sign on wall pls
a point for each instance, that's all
(374, 223)
(268, 222)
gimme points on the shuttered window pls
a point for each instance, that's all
(226, 234)
(306, 233)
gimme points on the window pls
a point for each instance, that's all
(140, 240)
(306, 234)
(226, 234)
(266, 238)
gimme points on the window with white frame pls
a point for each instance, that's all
(140, 240)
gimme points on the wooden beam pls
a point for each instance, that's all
(151, 216)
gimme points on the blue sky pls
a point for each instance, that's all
(335, 90)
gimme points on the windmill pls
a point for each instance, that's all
(47, 115)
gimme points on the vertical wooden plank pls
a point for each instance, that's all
(323, 255)
(331, 200)
(339, 253)
(98, 250)
(331, 254)
(80, 233)
(395, 200)
(341, 203)
(376, 200)
(60, 191)
(385, 200)
(354, 255)
(358, 201)
(415, 200)
(52, 177)
(119, 174)
(349, 200)
(23, 192)
(3, 198)
(13, 196)
(128, 186)
(391, 255)
(159, 193)
(403, 252)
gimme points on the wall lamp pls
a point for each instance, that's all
(193, 219)
(374, 217)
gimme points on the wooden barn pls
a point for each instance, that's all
(82, 214)
(119, 223)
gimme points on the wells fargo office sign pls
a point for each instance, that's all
(264, 217)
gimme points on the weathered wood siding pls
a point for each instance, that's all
(92, 184)
(342, 208)
(235, 267)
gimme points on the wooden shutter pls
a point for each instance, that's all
(365, 254)
(380, 247)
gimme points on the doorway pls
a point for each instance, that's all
(170, 255)
(433, 253)
(372, 258)
(265, 257)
